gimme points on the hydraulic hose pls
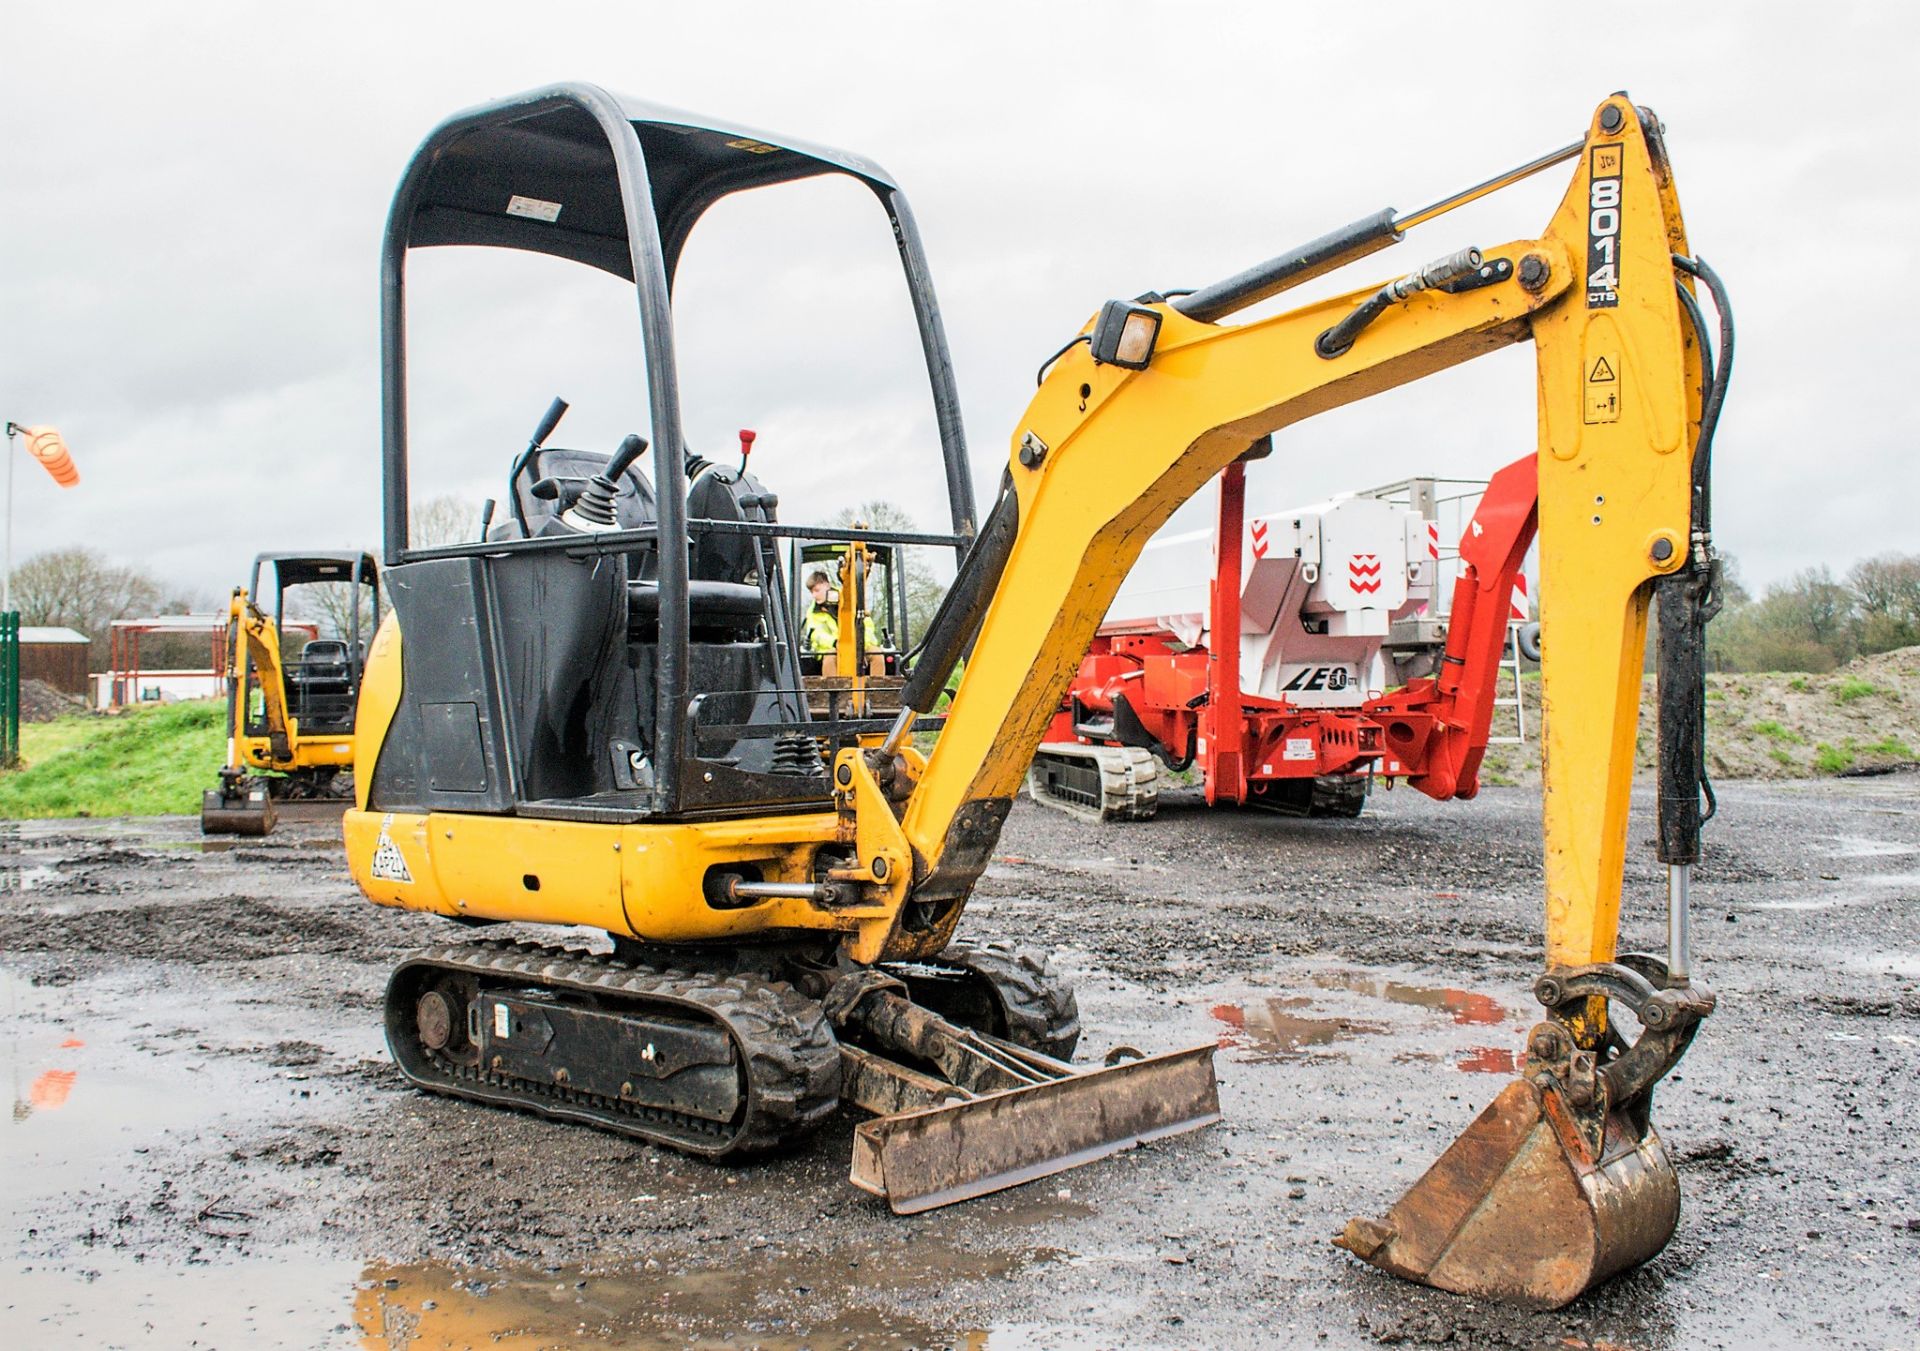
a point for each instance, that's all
(1688, 600)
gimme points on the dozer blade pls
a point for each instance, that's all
(1521, 1209)
(246, 811)
(938, 1155)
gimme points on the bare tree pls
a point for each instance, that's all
(1887, 592)
(331, 605)
(443, 520)
(83, 589)
(924, 590)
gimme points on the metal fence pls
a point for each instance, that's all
(9, 689)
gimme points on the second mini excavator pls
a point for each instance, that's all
(290, 718)
(597, 717)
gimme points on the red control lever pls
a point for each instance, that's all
(747, 435)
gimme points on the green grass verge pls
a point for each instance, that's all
(1776, 731)
(1832, 759)
(145, 762)
(1853, 687)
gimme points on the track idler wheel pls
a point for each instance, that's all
(1562, 1181)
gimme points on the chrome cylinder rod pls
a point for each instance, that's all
(1679, 925)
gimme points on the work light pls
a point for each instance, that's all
(1124, 335)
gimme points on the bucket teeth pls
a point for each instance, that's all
(1520, 1210)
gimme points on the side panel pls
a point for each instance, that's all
(446, 746)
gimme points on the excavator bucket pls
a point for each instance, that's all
(237, 808)
(1533, 1205)
(936, 1156)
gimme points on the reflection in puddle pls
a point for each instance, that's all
(1490, 1060)
(48, 1094)
(781, 1305)
(1465, 1006)
(1472, 1060)
(18, 877)
(1267, 1028)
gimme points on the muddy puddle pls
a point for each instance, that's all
(91, 1095)
(1329, 1023)
(673, 1302)
(781, 1302)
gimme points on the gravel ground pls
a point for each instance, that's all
(209, 1146)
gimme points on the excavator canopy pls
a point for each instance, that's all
(547, 179)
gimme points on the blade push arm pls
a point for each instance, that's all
(1104, 455)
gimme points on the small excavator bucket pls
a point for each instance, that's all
(938, 1155)
(1532, 1205)
(242, 807)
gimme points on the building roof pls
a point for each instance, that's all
(41, 633)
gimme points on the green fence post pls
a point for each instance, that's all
(9, 689)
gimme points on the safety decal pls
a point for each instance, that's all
(1433, 539)
(1363, 573)
(1519, 608)
(389, 865)
(1602, 390)
(1603, 227)
(532, 208)
(1259, 539)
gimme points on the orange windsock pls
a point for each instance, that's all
(46, 446)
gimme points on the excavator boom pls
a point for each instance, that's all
(1157, 403)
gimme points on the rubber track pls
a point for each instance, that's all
(1129, 781)
(1340, 795)
(783, 1038)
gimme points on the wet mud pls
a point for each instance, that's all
(208, 1146)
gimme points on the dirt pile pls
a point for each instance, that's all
(41, 702)
(1861, 719)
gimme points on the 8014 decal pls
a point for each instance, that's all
(1603, 227)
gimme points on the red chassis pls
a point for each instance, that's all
(1186, 706)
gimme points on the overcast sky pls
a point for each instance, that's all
(193, 201)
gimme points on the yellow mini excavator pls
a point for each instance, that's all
(596, 716)
(290, 719)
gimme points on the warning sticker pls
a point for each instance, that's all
(389, 865)
(1602, 389)
(533, 209)
(1298, 748)
(1603, 227)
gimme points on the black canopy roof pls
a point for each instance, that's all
(299, 569)
(546, 180)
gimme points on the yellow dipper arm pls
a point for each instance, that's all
(251, 636)
(1109, 453)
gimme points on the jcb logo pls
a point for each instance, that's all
(1317, 678)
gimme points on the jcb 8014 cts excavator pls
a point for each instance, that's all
(596, 716)
(290, 720)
